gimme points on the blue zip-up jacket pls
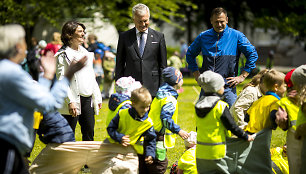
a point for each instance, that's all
(168, 109)
(221, 52)
(149, 135)
(54, 128)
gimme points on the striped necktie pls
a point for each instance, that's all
(141, 43)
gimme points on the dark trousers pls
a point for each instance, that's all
(86, 119)
(158, 167)
(11, 161)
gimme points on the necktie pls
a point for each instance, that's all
(141, 43)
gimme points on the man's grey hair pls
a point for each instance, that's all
(10, 36)
(140, 9)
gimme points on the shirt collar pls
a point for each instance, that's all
(134, 114)
(137, 31)
(273, 93)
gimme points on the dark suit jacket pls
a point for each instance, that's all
(146, 69)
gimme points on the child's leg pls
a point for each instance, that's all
(143, 169)
(158, 167)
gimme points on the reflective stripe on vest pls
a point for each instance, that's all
(111, 114)
(291, 109)
(135, 131)
(210, 144)
(154, 114)
(276, 169)
(211, 134)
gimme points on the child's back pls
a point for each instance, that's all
(117, 102)
(121, 99)
(213, 120)
(258, 115)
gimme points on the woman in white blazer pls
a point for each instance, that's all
(84, 97)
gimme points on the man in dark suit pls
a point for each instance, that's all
(141, 51)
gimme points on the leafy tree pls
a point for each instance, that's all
(288, 17)
(118, 12)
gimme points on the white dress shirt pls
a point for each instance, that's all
(145, 35)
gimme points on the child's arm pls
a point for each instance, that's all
(243, 103)
(166, 114)
(230, 124)
(279, 118)
(149, 144)
(112, 129)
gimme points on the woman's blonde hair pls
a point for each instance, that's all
(57, 38)
(272, 77)
(141, 95)
(256, 79)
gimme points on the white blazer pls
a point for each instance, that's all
(83, 82)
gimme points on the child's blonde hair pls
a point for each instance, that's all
(141, 95)
(256, 79)
(272, 77)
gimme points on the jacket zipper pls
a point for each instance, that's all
(216, 53)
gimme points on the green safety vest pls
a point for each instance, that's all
(133, 128)
(111, 114)
(154, 114)
(211, 134)
(291, 109)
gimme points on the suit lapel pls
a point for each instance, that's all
(133, 38)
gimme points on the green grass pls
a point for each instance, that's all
(186, 120)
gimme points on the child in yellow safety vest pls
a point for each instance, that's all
(262, 118)
(213, 122)
(251, 92)
(164, 113)
(132, 126)
(121, 99)
(262, 112)
(279, 160)
(187, 162)
(288, 110)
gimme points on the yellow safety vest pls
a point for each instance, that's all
(133, 128)
(301, 118)
(291, 109)
(259, 113)
(37, 119)
(154, 114)
(187, 162)
(211, 134)
(111, 114)
(279, 163)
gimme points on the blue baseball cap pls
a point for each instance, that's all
(172, 76)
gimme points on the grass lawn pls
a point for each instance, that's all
(186, 120)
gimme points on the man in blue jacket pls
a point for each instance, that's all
(221, 47)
